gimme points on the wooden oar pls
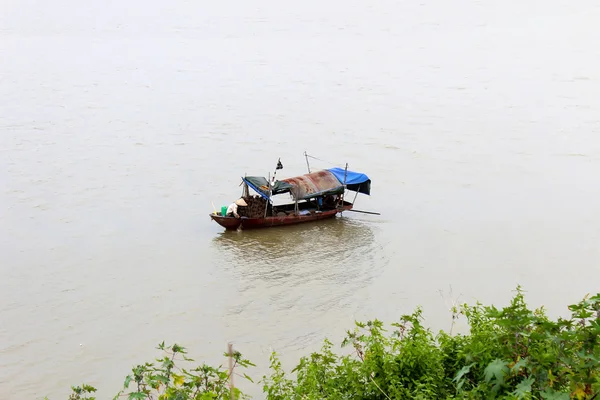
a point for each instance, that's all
(364, 212)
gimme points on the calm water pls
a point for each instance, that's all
(120, 123)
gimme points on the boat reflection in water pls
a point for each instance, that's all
(289, 287)
(337, 251)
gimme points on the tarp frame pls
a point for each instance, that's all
(253, 187)
(355, 181)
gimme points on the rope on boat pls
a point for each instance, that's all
(320, 159)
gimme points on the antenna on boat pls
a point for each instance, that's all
(278, 167)
(345, 188)
(270, 195)
(271, 183)
(307, 164)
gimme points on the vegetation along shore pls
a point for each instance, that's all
(512, 352)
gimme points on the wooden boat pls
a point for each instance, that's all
(316, 196)
(232, 223)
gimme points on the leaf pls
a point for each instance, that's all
(460, 374)
(247, 377)
(136, 395)
(551, 394)
(178, 349)
(519, 364)
(579, 393)
(127, 381)
(463, 371)
(524, 387)
(178, 380)
(88, 388)
(551, 378)
(496, 369)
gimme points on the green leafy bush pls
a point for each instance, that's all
(509, 353)
(164, 380)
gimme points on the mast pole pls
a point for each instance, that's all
(272, 183)
(356, 195)
(345, 175)
(307, 164)
(270, 194)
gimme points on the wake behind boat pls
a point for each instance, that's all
(315, 196)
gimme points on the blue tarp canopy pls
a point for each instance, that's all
(259, 184)
(355, 181)
(315, 184)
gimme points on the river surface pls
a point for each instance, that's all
(122, 123)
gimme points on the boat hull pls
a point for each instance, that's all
(232, 223)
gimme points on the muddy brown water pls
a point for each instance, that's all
(120, 123)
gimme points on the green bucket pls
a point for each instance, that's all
(224, 210)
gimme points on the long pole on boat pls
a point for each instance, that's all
(345, 174)
(272, 183)
(307, 164)
(356, 195)
(269, 199)
(278, 167)
(365, 212)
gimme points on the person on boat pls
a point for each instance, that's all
(330, 201)
(233, 208)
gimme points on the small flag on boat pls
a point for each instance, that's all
(279, 164)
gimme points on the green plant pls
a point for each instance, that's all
(165, 379)
(509, 353)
